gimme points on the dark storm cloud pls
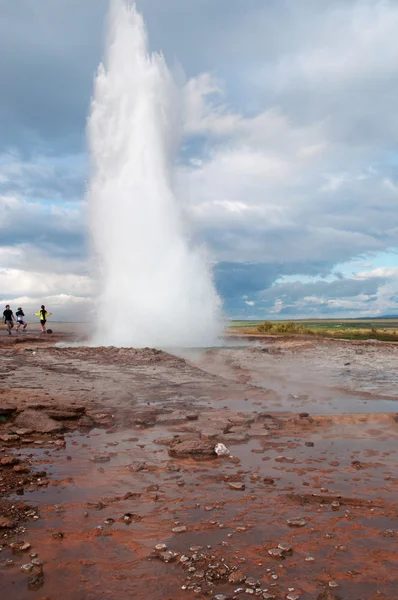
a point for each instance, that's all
(50, 51)
(42, 226)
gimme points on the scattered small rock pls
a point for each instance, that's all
(276, 553)
(167, 556)
(310, 444)
(237, 485)
(221, 450)
(100, 458)
(9, 461)
(180, 529)
(237, 577)
(160, 547)
(286, 548)
(269, 480)
(6, 523)
(20, 546)
(388, 533)
(299, 522)
(288, 459)
(333, 584)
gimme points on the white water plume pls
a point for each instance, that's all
(154, 288)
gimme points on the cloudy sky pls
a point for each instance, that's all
(288, 166)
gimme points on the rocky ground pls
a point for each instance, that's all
(265, 470)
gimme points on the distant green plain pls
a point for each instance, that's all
(359, 329)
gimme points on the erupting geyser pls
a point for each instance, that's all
(154, 289)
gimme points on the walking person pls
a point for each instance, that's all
(43, 314)
(21, 320)
(8, 318)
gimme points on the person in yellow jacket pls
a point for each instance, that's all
(43, 314)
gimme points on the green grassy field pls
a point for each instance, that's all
(360, 329)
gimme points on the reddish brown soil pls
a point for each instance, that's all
(312, 431)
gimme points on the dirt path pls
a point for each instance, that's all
(107, 453)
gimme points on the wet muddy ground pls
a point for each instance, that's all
(110, 486)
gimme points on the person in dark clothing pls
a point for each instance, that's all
(43, 314)
(8, 318)
(21, 320)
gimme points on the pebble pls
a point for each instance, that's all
(237, 577)
(100, 458)
(184, 559)
(168, 556)
(160, 547)
(298, 522)
(276, 553)
(335, 505)
(285, 547)
(180, 529)
(20, 546)
(236, 485)
(269, 480)
(388, 533)
(310, 444)
(288, 459)
(27, 568)
(252, 583)
(333, 584)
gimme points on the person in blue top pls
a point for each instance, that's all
(21, 320)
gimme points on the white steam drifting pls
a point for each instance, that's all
(154, 289)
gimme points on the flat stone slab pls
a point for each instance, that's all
(37, 421)
(194, 447)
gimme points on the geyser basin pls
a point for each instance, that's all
(154, 287)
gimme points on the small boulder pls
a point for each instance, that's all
(37, 421)
(192, 447)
